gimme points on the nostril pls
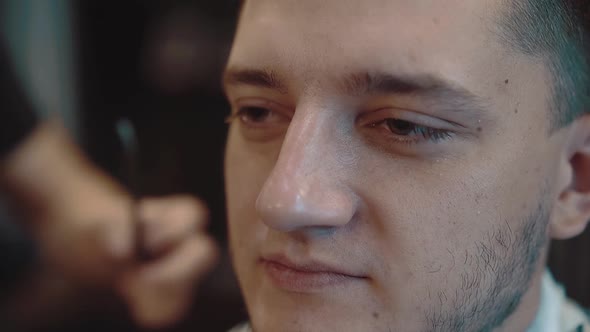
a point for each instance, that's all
(321, 206)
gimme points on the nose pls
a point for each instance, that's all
(307, 186)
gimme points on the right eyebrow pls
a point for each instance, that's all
(261, 78)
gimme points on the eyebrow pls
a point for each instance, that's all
(261, 78)
(447, 95)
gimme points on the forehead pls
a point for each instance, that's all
(310, 44)
(333, 35)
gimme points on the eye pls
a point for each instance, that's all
(254, 114)
(409, 132)
(400, 127)
(257, 116)
(260, 120)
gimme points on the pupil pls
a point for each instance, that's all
(256, 114)
(400, 127)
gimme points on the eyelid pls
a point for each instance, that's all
(414, 117)
(262, 103)
(278, 111)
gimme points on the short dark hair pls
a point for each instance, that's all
(558, 33)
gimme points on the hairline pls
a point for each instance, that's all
(533, 29)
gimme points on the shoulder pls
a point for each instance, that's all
(574, 318)
(245, 327)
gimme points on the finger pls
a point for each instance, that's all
(168, 221)
(177, 206)
(116, 231)
(158, 307)
(189, 262)
(160, 293)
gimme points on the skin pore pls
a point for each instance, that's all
(400, 142)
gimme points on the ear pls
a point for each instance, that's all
(572, 212)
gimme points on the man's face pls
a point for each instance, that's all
(386, 166)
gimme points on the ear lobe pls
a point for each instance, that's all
(572, 211)
(571, 215)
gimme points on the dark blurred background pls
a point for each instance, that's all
(157, 63)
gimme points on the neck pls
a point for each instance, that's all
(526, 312)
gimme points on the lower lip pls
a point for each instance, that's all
(303, 281)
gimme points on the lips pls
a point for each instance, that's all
(305, 275)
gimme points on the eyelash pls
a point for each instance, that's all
(427, 133)
(243, 111)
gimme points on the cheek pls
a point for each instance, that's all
(246, 170)
(431, 215)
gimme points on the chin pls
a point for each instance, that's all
(276, 320)
(310, 322)
(291, 312)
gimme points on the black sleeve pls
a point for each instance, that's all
(17, 118)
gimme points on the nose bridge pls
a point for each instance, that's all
(304, 188)
(303, 145)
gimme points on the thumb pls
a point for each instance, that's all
(160, 293)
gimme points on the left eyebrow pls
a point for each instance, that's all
(383, 83)
(447, 95)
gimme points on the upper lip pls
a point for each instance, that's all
(307, 265)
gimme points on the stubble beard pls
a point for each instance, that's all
(497, 273)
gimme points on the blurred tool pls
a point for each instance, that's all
(127, 135)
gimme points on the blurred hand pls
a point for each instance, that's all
(160, 291)
(86, 227)
(91, 236)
